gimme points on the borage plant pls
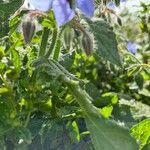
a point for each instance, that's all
(44, 105)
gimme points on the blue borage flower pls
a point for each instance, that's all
(62, 10)
(132, 47)
(111, 5)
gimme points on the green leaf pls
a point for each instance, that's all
(16, 59)
(146, 147)
(12, 6)
(3, 90)
(141, 132)
(106, 111)
(105, 41)
(144, 92)
(51, 67)
(24, 133)
(56, 136)
(106, 99)
(139, 80)
(73, 129)
(130, 112)
(2, 143)
(92, 90)
(106, 134)
(13, 24)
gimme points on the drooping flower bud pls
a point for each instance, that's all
(28, 28)
(119, 21)
(68, 37)
(87, 44)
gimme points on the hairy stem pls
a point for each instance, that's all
(45, 36)
(53, 42)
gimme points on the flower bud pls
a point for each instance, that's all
(119, 21)
(87, 44)
(28, 27)
(68, 37)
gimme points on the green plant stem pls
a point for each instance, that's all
(57, 50)
(45, 36)
(144, 66)
(65, 71)
(54, 108)
(27, 119)
(83, 99)
(58, 45)
(54, 39)
(138, 65)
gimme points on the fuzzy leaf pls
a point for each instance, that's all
(106, 134)
(106, 42)
(141, 131)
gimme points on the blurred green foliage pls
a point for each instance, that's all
(40, 111)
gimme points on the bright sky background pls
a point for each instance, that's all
(133, 4)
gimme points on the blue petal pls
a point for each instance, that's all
(132, 47)
(111, 5)
(86, 6)
(62, 11)
(123, 1)
(41, 5)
